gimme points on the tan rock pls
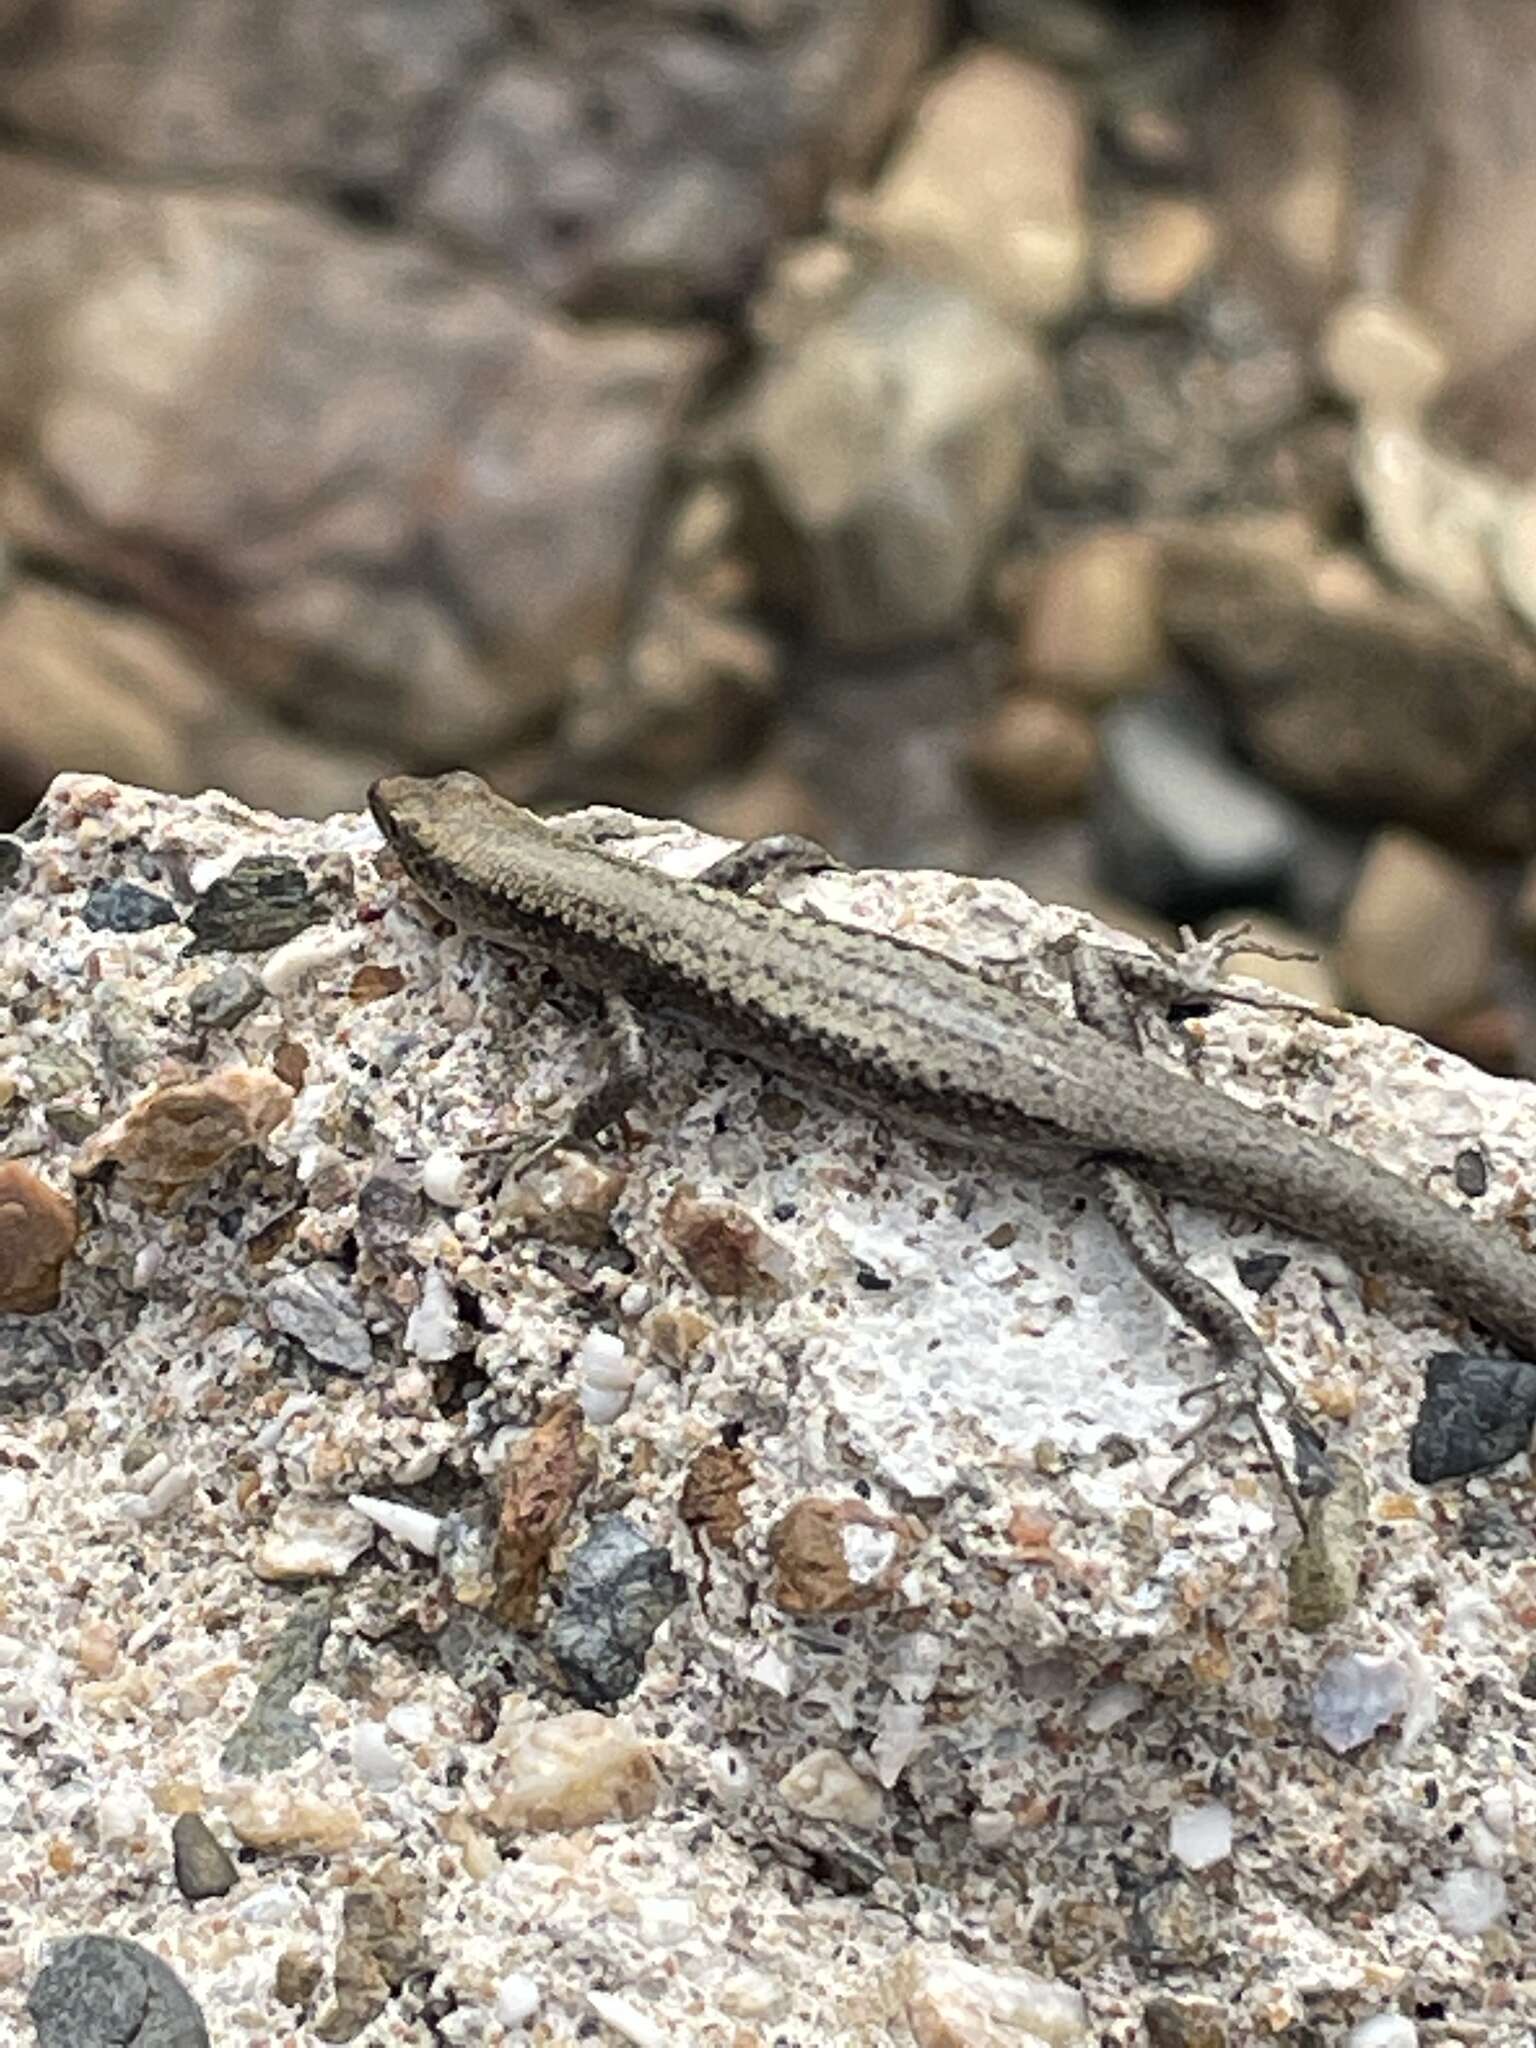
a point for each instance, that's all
(1154, 256)
(950, 2003)
(1034, 756)
(38, 1228)
(711, 1497)
(542, 1477)
(987, 190)
(571, 1771)
(290, 1819)
(312, 1539)
(724, 1247)
(837, 1556)
(88, 686)
(1417, 944)
(1091, 626)
(1381, 355)
(187, 1131)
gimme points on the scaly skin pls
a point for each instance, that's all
(923, 1041)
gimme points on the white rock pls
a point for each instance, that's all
(410, 1525)
(1199, 1836)
(372, 1757)
(663, 1923)
(1383, 2030)
(433, 1330)
(627, 2019)
(1112, 1704)
(312, 1539)
(607, 1377)
(1354, 1696)
(444, 1179)
(517, 1999)
(1470, 1901)
(825, 1786)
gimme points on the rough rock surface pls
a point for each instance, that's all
(1030, 1752)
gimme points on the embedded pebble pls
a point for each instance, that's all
(616, 1592)
(836, 1556)
(1476, 1414)
(1383, 2030)
(225, 999)
(825, 1786)
(1199, 1836)
(373, 1757)
(1470, 1901)
(627, 2020)
(445, 1178)
(277, 1817)
(317, 1308)
(422, 1531)
(204, 1867)
(125, 907)
(38, 1230)
(571, 1771)
(433, 1330)
(948, 2001)
(517, 1999)
(100, 1991)
(607, 1376)
(1356, 1695)
(312, 1539)
(262, 900)
(176, 1136)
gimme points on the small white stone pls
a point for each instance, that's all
(433, 1330)
(1499, 1812)
(517, 1999)
(1469, 1902)
(172, 1486)
(409, 1525)
(607, 1377)
(991, 1827)
(751, 1995)
(412, 1721)
(274, 1905)
(663, 1923)
(120, 1816)
(825, 1786)
(305, 959)
(373, 1759)
(1199, 1836)
(627, 2019)
(444, 1178)
(1383, 2030)
(867, 1552)
(312, 1539)
(1354, 1696)
(1112, 1704)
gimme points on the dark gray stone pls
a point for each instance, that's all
(12, 854)
(225, 999)
(618, 1590)
(204, 1867)
(1476, 1414)
(125, 907)
(1180, 827)
(98, 1991)
(262, 902)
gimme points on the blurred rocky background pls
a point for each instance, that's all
(1088, 442)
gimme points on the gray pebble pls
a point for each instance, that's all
(263, 901)
(125, 907)
(204, 1867)
(618, 1590)
(225, 999)
(98, 1991)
